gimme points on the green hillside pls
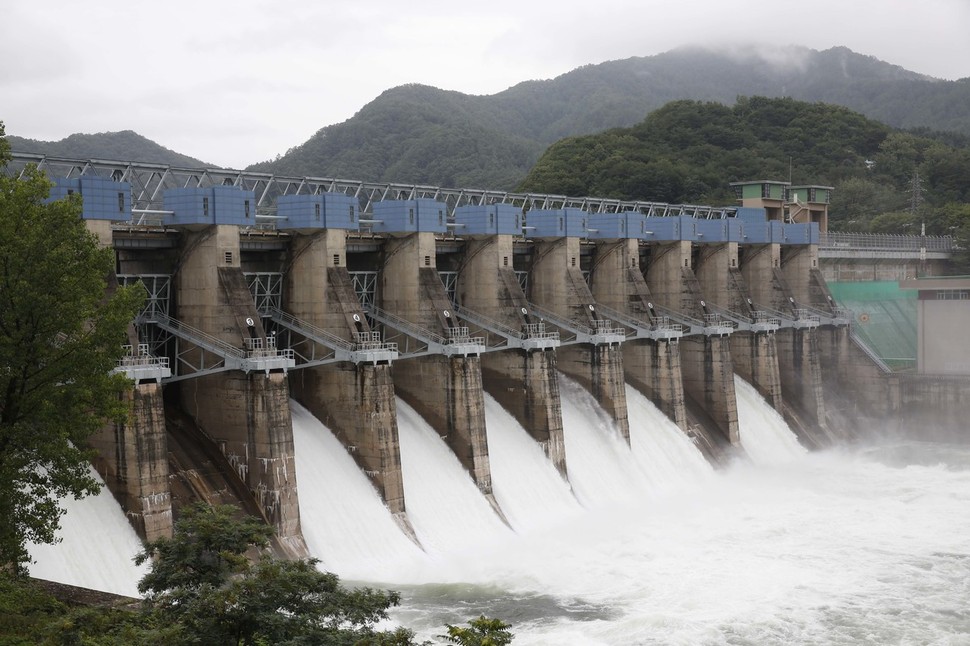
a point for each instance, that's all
(688, 152)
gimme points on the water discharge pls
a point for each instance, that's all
(646, 543)
(97, 548)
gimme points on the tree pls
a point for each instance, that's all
(483, 631)
(202, 580)
(60, 336)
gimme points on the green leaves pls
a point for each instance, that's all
(60, 336)
(481, 632)
(208, 579)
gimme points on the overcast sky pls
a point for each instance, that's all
(237, 82)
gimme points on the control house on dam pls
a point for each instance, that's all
(346, 295)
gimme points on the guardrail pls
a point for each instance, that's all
(659, 328)
(458, 343)
(533, 337)
(603, 332)
(884, 242)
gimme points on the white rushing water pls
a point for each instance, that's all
(765, 435)
(646, 544)
(97, 549)
(870, 546)
(344, 520)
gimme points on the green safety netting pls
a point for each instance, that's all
(884, 318)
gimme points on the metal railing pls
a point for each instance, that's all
(759, 321)
(659, 328)
(601, 332)
(366, 348)
(533, 336)
(459, 341)
(711, 325)
(885, 241)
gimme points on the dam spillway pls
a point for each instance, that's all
(370, 308)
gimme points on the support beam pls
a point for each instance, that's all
(355, 401)
(247, 415)
(523, 382)
(556, 283)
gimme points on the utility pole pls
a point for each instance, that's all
(916, 199)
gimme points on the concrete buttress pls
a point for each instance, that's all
(755, 354)
(706, 365)
(523, 382)
(133, 461)
(556, 283)
(355, 401)
(799, 360)
(132, 457)
(445, 390)
(651, 366)
(246, 414)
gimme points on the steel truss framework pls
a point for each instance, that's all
(149, 181)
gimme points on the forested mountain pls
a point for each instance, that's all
(420, 134)
(120, 146)
(425, 135)
(688, 152)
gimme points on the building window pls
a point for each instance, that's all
(427, 261)
(353, 216)
(410, 216)
(336, 260)
(953, 295)
(246, 208)
(121, 202)
(316, 211)
(205, 207)
(228, 257)
(505, 261)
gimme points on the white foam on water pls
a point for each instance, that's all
(97, 550)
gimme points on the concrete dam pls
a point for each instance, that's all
(345, 297)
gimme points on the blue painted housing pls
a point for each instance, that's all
(556, 223)
(670, 228)
(410, 216)
(802, 233)
(491, 219)
(211, 205)
(102, 199)
(614, 226)
(321, 211)
(777, 231)
(712, 231)
(751, 214)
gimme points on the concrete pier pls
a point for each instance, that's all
(706, 365)
(247, 415)
(556, 283)
(133, 461)
(799, 359)
(523, 382)
(446, 391)
(754, 354)
(651, 366)
(355, 401)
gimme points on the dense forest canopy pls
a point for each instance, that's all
(688, 152)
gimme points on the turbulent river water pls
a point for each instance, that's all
(646, 543)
